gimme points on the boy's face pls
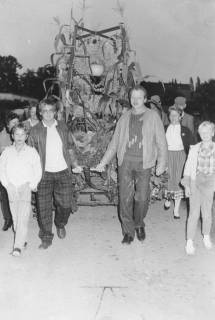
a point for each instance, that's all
(19, 136)
(174, 117)
(12, 123)
(137, 99)
(48, 113)
(206, 134)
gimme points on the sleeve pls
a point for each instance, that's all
(112, 147)
(36, 169)
(3, 171)
(185, 181)
(161, 143)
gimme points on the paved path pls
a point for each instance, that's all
(91, 276)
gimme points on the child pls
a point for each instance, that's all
(20, 172)
(199, 182)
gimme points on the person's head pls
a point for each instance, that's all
(11, 120)
(180, 102)
(206, 131)
(48, 109)
(137, 97)
(175, 114)
(32, 111)
(19, 134)
(155, 102)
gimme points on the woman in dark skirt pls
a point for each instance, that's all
(179, 139)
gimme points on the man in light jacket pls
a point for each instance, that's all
(139, 142)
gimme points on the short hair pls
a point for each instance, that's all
(32, 105)
(10, 116)
(208, 124)
(175, 108)
(51, 101)
(137, 87)
(20, 125)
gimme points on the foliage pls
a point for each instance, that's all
(31, 82)
(9, 77)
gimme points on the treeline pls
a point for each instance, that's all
(201, 98)
(29, 83)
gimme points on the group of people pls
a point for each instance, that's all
(41, 159)
(42, 165)
(145, 138)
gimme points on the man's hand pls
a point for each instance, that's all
(187, 192)
(159, 171)
(99, 168)
(77, 169)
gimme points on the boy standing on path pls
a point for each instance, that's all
(139, 142)
(51, 139)
(20, 172)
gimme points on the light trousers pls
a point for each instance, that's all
(201, 201)
(20, 206)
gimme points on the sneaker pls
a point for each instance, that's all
(207, 242)
(167, 204)
(189, 248)
(16, 252)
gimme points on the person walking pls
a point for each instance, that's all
(199, 182)
(5, 140)
(179, 139)
(20, 173)
(51, 139)
(139, 143)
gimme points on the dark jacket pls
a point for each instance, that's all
(37, 139)
(187, 138)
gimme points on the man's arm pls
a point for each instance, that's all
(161, 146)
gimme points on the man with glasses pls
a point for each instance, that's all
(51, 139)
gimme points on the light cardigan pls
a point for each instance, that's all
(190, 169)
(153, 141)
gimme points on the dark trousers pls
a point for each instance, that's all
(54, 190)
(5, 207)
(134, 195)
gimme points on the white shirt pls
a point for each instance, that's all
(55, 161)
(173, 137)
(20, 167)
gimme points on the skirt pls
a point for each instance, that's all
(176, 161)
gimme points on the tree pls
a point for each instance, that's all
(9, 77)
(32, 81)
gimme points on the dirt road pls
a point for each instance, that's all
(90, 275)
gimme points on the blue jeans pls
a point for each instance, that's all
(134, 195)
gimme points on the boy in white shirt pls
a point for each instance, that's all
(20, 173)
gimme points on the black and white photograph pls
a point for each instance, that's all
(107, 159)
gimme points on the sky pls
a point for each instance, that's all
(172, 38)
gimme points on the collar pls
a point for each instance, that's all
(22, 149)
(53, 125)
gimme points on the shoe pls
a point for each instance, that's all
(190, 250)
(167, 204)
(7, 225)
(127, 239)
(16, 252)
(61, 232)
(44, 245)
(207, 242)
(176, 217)
(25, 245)
(140, 232)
